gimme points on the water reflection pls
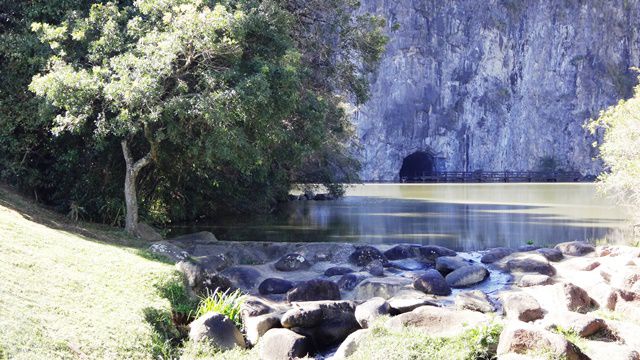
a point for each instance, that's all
(460, 216)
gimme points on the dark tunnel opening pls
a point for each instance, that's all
(416, 165)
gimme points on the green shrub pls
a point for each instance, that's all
(225, 303)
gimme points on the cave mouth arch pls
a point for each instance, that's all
(418, 164)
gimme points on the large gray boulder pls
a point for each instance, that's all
(495, 254)
(314, 290)
(350, 281)
(447, 264)
(575, 298)
(437, 321)
(402, 251)
(292, 262)
(475, 300)
(284, 344)
(367, 312)
(575, 248)
(201, 281)
(382, 287)
(432, 282)
(217, 329)
(169, 251)
(366, 254)
(256, 326)
(531, 263)
(521, 306)
(274, 286)
(523, 338)
(243, 277)
(409, 300)
(351, 344)
(325, 322)
(432, 252)
(554, 255)
(467, 276)
(534, 280)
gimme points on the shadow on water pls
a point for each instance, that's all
(458, 225)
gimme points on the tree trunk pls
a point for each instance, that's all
(130, 193)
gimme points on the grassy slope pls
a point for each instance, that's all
(71, 291)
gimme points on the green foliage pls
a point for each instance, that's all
(174, 290)
(412, 343)
(620, 149)
(226, 303)
(234, 100)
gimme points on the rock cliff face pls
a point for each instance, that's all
(495, 84)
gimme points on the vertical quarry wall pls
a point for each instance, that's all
(495, 84)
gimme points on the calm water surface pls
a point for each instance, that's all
(460, 216)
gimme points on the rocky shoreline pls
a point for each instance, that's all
(320, 299)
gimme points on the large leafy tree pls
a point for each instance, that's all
(210, 92)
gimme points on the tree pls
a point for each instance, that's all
(620, 149)
(221, 92)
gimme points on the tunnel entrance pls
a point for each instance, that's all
(416, 165)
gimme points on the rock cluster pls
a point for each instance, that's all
(304, 299)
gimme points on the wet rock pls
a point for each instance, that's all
(467, 276)
(525, 248)
(350, 281)
(367, 312)
(374, 268)
(534, 280)
(244, 277)
(283, 344)
(530, 263)
(575, 248)
(337, 270)
(437, 321)
(274, 286)
(314, 290)
(380, 287)
(218, 329)
(400, 252)
(255, 306)
(407, 300)
(475, 300)
(256, 326)
(366, 254)
(336, 253)
(447, 264)
(521, 306)
(554, 255)
(495, 254)
(522, 338)
(292, 262)
(169, 251)
(432, 282)
(408, 264)
(575, 298)
(432, 252)
(350, 345)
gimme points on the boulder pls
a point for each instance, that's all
(521, 306)
(531, 263)
(587, 265)
(349, 281)
(475, 300)
(495, 254)
(350, 345)
(314, 290)
(433, 283)
(617, 250)
(217, 329)
(274, 286)
(256, 326)
(168, 250)
(367, 312)
(366, 254)
(409, 300)
(437, 321)
(525, 248)
(337, 270)
(243, 277)
(583, 325)
(198, 238)
(214, 263)
(324, 322)
(255, 306)
(380, 287)
(374, 268)
(283, 344)
(554, 255)
(292, 262)
(534, 280)
(399, 252)
(575, 248)
(575, 298)
(432, 252)
(200, 281)
(447, 264)
(522, 338)
(147, 232)
(408, 264)
(467, 276)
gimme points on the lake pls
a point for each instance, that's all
(464, 217)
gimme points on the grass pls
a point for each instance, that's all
(226, 303)
(413, 343)
(75, 290)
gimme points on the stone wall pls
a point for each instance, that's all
(495, 84)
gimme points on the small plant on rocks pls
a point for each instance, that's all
(226, 303)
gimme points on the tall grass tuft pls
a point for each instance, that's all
(226, 303)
